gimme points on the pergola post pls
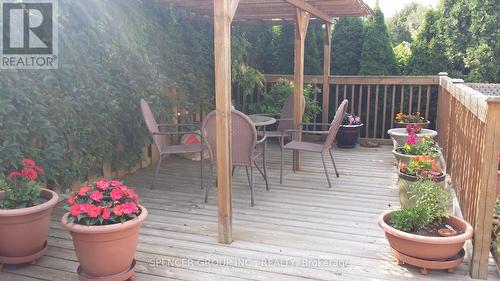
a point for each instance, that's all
(223, 14)
(301, 24)
(327, 49)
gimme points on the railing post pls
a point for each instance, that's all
(327, 47)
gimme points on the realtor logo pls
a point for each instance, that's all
(29, 34)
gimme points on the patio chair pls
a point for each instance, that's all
(243, 146)
(285, 120)
(161, 144)
(317, 147)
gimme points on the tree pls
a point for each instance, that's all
(402, 52)
(347, 42)
(377, 56)
(403, 25)
(428, 56)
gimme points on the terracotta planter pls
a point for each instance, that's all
(423, 125)
(400, 136)
(348, 135)
(23, 232)
(106, 250)
(404, 158)
(404, 182)
(423, 247)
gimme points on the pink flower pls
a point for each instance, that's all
(29, 173)
(106, 213)
(83, 207)
(103, 184)
(83, 191)
(29, 163)
(75, 210)
(118, 210)
(96, 196)
(71, 200)
(116, 194)
(93, 211)
(129, 208)
(39, 170)
(14, 175)
(116, 183)
(411, 139)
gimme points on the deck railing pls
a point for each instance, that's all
(468, 125)
(375, 99)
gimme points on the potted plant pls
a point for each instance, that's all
(498, 175)
(425, 235)
(413, 148)
(400, 135)
(401, 120)
(348, 133)
(418, 169)
(25, 210)
(104, 219)
(495, 233)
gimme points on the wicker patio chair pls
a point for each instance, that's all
(243, 146)
(161, 144)
(317, 147)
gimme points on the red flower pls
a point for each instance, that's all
(39, 170)
(29, 163)
(116, 194)
(118, 210)
(106, 213)
(71, 200)
(14, 175)
(129, 193)
(75, 210)
(103, 184)
(83, 207)
(93, 211)
(96, 196)
(129, 208)
(116, 183)
(29, 173)
(83, 191)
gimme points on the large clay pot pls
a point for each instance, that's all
(105, 250)
(404, 181)
(405, 158)
(400, 136)
(348, 135)
(424, 247)
(423, 125)
(23, 232)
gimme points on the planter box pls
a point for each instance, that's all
(400, 136)
(423, 125)
(404, 158)
(348, 135)
(404, 182)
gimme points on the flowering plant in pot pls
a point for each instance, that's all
(25, 210)
(104, 219)
(413, 148)
(418, 169)
(400, 135)
(348, 133)
(401, 120)
(425, 234)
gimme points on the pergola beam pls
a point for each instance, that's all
(306, 7)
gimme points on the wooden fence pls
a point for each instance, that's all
(468, 125)
(375, 99)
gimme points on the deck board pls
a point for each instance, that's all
(300, 221)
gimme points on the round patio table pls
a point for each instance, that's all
(262, 121)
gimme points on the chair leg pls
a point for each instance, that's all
(265, 165)
(158, 164)
(232, 172)
(248, 175)
(333, 162)
(209, 182)
(281, 166)
(251, 187)
(201, 169)
(326, 171)
(263, 174)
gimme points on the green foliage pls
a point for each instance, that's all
(377, 56)
(427, 146)
(402, 53)
(403, 25)
(16, 198)
(432, 207)
(274, 99)
(347, 42)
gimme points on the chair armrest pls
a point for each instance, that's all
(176, 133)
(262, 140)
(306, 132)
(267, 114)
(196, 125)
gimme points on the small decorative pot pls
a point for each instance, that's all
(24, 232)
(400, 136)
(404, 182)
(105, 251)
(405, 158)
(423, 125)
(348, 135)
(425, 247)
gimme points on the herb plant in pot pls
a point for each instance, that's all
(348, 133)
(25, 210)
(400, 135)
(418, 168)
(425, 235)
(413, 148)
(104, 219)
(401, 120)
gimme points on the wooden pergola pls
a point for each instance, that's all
(224, 12)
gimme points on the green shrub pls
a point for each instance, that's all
(409, 219)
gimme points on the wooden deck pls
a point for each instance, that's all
(292, 228)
